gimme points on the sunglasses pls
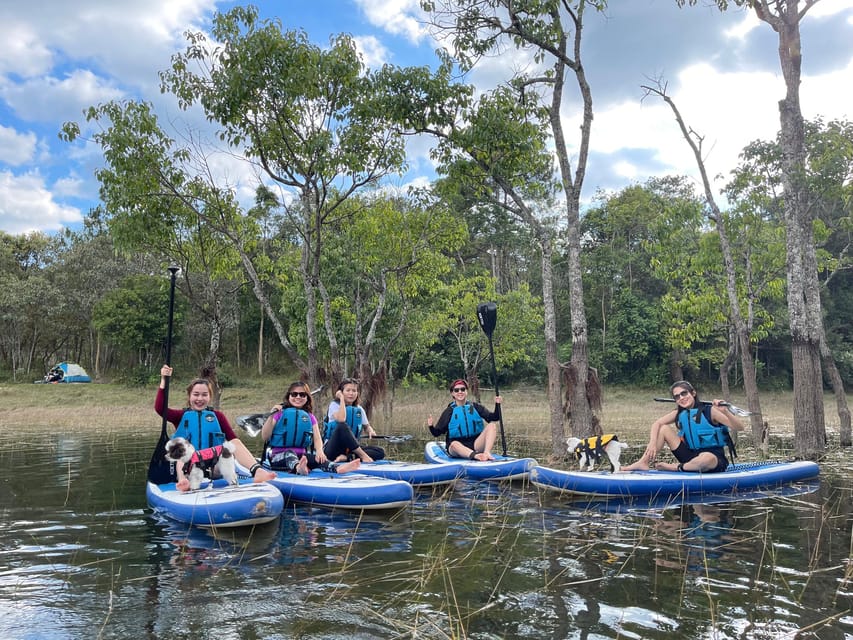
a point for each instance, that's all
(458, 389)
(678, 396)
(298, 394)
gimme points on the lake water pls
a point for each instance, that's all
(81, 556)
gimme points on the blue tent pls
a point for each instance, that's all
(67, 372)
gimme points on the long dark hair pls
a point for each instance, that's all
(299, 386)
(697, 404)
(344, 383)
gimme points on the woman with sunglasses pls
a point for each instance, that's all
(292, 440)
(469, 427)
(697, 433)
(346, 421)
(204, 427)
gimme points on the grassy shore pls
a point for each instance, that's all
(627, 411)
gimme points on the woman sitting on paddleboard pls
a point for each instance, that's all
(204, 427)
(292, 436)
(469, 426)
(346, 421)
(697, 433)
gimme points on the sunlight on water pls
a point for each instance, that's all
(81, 556)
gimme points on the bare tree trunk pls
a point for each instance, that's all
(552, 363)
(261, 344)
(837, 383)
(582, 421)
(804, 308)
(741, 329)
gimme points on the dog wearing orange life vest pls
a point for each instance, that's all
(591, 451)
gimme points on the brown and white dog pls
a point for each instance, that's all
(590, 451)
(215, 462)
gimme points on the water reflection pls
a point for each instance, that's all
(80, 556)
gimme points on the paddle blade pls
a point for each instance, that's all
(487, 315)
(160, 469)
(252, 423)
(743, 413)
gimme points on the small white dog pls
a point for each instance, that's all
(195, 465)
(590, 451)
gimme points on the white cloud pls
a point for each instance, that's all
(398, 17)
(16, 148)
(373, 53)
(24, 52)
(52, 99)
(26, 204)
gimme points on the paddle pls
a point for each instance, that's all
(405, 437)
(743, 413)
(159, 467)
(487, 315)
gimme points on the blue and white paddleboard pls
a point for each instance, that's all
(343, 490)
(660, 484)
(219, 505)
(417, 474)
(501, 468)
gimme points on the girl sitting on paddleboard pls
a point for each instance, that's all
(292, 436)
(204, 427)
(346, 421)
(696, 432)
(469, 427)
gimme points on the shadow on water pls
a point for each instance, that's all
(81, 556)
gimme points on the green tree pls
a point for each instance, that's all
(306, 116)
(132, 317)
(552, 32)
(808, 339)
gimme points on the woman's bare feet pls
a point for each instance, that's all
(262, 475)
(640, 465)
(348, 466)
(302, 466)
(483, 456)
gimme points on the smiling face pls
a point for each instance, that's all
(459, 393)
(683, 397)
(299, 397)
(199, 396)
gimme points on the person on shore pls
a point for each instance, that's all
(204, 427)
(292, 439)
(470, 429)
(346, 421)
(696, 432)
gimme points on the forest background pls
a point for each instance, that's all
(330, 273)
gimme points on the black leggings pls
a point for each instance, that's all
(343, 442)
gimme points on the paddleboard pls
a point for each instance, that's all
(501, 468)
(417, 474)
(660, 484)
(343, 490)
(221, 505)
(654, 506)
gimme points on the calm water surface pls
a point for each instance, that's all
(82, 557)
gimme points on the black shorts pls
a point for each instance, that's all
(683, 454)
(468, 442)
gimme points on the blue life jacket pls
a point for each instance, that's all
(201, 428)
(293, 429)
(703, 435)
(354, 420)
(465, 422)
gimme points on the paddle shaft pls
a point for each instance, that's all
(158, 468)
(487, 316)
(732, 408)
(172, 275)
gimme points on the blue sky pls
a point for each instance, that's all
(60, 57)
